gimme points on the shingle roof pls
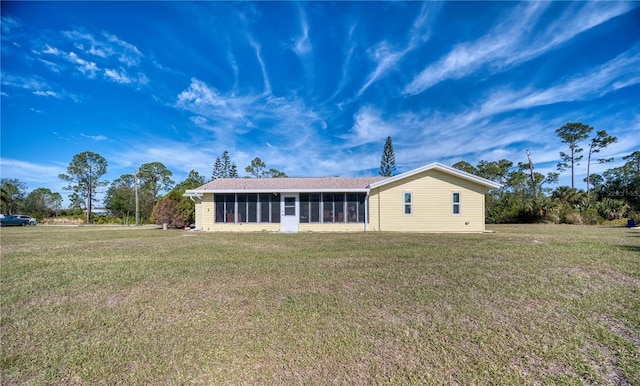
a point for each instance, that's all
(288, 184)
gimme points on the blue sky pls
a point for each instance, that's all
(312, 88)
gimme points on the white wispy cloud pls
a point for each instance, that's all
(232, 113)
(511, 42)
(105, 46)
(385, 58)
(302, 44)
(33, 174)
(128, 53)
(8, 25)
(619, 72)
(346, 65)
(99, 137)
(47, 93)
(51, 50)
(53, 67)
(387, 55)
(36, 85)
(84, 66)
(491, 127)
(105, 54)
(369, 127)
(263, 67)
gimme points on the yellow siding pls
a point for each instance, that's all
(207, 207)
(198, 214)
(243, 227)
(432, 193)
(333, 227)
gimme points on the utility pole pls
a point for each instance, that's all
(135, 185)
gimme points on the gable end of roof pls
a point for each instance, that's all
(440, 167)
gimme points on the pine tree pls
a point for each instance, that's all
(233, 172)
(226, 164)
(388, 161)
(571, 134)
(217, 169)
(224, 168)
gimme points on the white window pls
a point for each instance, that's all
(455, 199)
(408, 209)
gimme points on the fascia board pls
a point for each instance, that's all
(443, 168)
(332, 190)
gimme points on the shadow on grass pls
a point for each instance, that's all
(632, 248)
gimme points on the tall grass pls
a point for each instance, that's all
(531, 304)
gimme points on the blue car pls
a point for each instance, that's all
(31, 220)
(7, 220)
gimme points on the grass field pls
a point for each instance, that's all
(534, 304)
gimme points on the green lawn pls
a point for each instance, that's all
(534, 304)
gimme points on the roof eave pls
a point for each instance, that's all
(443, 168)
(310, 190)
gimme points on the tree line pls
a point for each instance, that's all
(138, 193)
(525, 196)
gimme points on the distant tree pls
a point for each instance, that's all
(120, 197)
(466, 167)
(233, 171)
(571, 134)
(12, 195)
(193, 180)
(185, 204)
(388, 160)
(274, 173)
(623, 182)
(536, 182)
(167, 211)
(43, 202)
(494, 170)
(218, 171)
(599, 142)
(83, 175)
(153, 178)
(76, 202)
(224, 167)
(258, 169)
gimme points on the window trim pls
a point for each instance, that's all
(455, 204)
(405, 203)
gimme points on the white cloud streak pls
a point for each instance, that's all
(387, 56)
(33, 174)
(302, 45)
(509, 43)
(99, 137)
(263, 68)
(35, 85)
(228, 114)
(105, 51)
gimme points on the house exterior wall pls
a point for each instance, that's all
(432, 204)
(243, 227)
(432, 208)
(208, 209)
(198, 214)
(331, 227)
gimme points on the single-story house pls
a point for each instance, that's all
(432, 198)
